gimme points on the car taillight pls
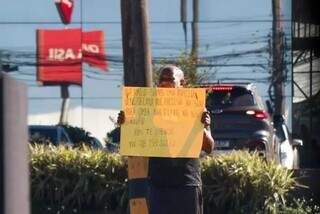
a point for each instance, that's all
(257, 114)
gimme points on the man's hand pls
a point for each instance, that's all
(121, 118)
(206, 119)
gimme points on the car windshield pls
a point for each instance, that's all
(50, 134)
(224, 99)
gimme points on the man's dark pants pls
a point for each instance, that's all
(181, 200)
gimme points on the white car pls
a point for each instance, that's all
(289, 147)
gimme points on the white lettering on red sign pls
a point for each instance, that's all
(61, 54)
(91, 48)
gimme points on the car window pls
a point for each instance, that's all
(48, 134)
(225, 99)
(97, 143)
(243, 100)
(64, 139)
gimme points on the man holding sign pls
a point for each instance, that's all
(175, 178)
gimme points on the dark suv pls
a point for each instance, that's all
(240, 120)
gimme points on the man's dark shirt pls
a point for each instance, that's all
(174, 172)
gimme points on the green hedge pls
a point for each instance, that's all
(79, 178)
(66, 180)
(244, 183)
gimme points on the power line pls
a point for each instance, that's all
(151, 22)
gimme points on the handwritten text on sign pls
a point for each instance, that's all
(162, 122)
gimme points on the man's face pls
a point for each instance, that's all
(168, 80)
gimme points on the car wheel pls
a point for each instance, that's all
(296, 158)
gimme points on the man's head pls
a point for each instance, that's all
(171, 77)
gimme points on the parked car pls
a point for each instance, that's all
(80, 136)
(240, 120)
(54, 134)
(95, 143)
(289, 147)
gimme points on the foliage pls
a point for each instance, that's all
(244, 183)
(79, 136)
(69, 180)
(113, 140)
(188, 63)
(77, 178)
(39, 140)
(114, 135)
(299, 206)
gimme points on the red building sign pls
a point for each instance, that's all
(61, 52)
(59, 56)
(93, 49)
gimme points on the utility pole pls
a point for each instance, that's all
(195, 29)
(137, 72)
(64, 105)
(278, 58)
(135, 42)
(183, 20)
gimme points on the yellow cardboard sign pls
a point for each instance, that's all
(162, 122)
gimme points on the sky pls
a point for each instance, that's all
(234, 37)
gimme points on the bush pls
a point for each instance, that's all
(78, 179)
(243, 183)
(66, 180)
(299, 206)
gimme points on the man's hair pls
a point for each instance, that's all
(177, 72)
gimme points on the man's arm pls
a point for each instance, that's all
(207, 142)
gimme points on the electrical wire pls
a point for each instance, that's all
(26, 57)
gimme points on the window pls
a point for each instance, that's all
(226, 99)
